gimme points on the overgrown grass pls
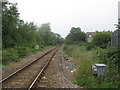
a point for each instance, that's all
(85, 59)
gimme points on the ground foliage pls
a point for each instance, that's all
(85, 59)
(15, 54)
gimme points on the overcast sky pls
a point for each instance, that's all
(89, 15)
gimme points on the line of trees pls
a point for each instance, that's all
(76, 36)
(20, 38)
(16, 32)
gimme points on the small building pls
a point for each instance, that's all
(89, 36)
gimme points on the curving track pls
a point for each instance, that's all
(27, 76)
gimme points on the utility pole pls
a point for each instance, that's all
(119, 15)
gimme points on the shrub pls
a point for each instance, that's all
(110, 56)
(14, 54)
(90, 46)
(102, 39)
(9, 55)
(23, 51)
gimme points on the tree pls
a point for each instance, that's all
(27, 35)
(59, 39)
(15, 32)
(10, 19)
(44, 32)
(75, 35)
(47, 35)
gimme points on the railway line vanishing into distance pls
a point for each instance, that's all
(27, 76)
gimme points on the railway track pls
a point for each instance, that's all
(27, 76)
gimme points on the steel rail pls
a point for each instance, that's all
(41, 71)
(14, 73)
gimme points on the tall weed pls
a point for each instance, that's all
(85, 60)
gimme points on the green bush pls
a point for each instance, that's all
(90, 46)
(102, 39)
(14, 54)
(110, 57)
(23, 51)
(9, 55)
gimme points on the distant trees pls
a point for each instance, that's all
(16, 32)
(75, 35)
(46, 34)
(59, 39)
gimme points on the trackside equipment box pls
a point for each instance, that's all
(99, 69)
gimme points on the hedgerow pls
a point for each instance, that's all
(14, 54)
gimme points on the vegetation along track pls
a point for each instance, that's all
(26, 76)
